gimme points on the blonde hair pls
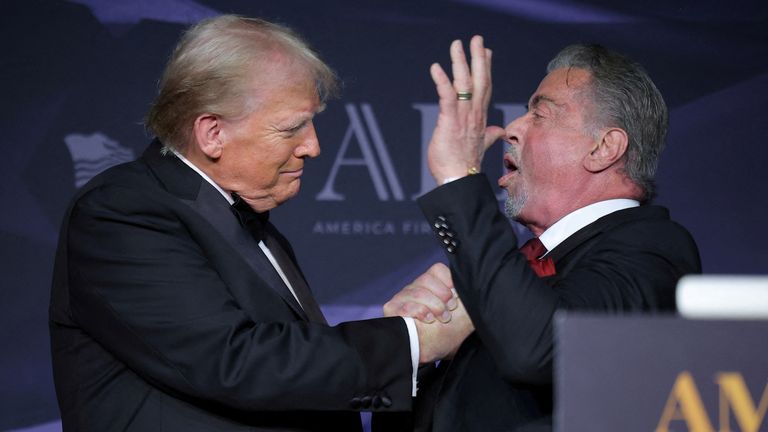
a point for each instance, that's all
(213, 65)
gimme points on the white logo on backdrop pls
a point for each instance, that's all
(92, 154)
(365, 132)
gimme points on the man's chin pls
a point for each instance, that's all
(513, 206)
(290, 191)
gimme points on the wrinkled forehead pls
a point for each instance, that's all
(565, 81)
(562, 88)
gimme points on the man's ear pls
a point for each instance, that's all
(610, 148)
(208, 136)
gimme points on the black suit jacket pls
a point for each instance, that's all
(501, 377)
(165, 315)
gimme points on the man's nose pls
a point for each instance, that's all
(514, 129)
(310, 147)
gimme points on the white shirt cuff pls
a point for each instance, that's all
(413, 335)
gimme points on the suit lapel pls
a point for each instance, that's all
(605, 223)
(204, 199)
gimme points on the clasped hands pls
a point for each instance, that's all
(441, 320)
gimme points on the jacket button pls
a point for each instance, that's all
(377, 401)
(387, 402)
(355, 403)
(366, 401)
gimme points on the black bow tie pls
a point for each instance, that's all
(249, 219)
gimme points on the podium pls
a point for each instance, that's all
(659, 373)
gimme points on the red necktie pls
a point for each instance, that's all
(533, 249)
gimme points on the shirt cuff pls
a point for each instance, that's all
(413, 335)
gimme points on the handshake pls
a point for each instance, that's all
(440, 317)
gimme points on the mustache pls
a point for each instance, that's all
(511, 151)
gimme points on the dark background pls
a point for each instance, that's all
(85, 71)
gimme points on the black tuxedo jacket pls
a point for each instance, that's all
(166, 316)
(501, 377)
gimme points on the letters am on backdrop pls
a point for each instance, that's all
(735, 402)
(665, 374)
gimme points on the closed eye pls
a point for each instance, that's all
(295, 129)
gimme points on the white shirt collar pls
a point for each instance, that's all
(228, 197)
(580, 218)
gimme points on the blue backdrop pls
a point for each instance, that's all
(78, 76)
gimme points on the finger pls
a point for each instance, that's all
(405, 302)
(445, 91)
(488, 56)
(400, 307)
(438, 280)
(480, 80)
(462, 81)
(418, 311)
(488, 62)
(492, 135)
(479, 65)
(443, 274)
(424, 292)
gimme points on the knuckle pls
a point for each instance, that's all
(416, 310)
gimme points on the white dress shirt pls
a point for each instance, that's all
(580, 218)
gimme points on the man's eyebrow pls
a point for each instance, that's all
(538, 99)
(309, 115)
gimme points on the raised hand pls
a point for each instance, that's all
(461, 137)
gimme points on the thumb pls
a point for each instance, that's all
(493, 134)
(442, 273)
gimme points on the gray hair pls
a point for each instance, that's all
(623, 96)
(211, 67)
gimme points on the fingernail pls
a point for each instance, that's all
(429, 318)
(445, 317)
(452, 304)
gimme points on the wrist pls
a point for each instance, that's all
(447, 179)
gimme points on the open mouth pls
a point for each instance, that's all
(509, 164)
(511, 169)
